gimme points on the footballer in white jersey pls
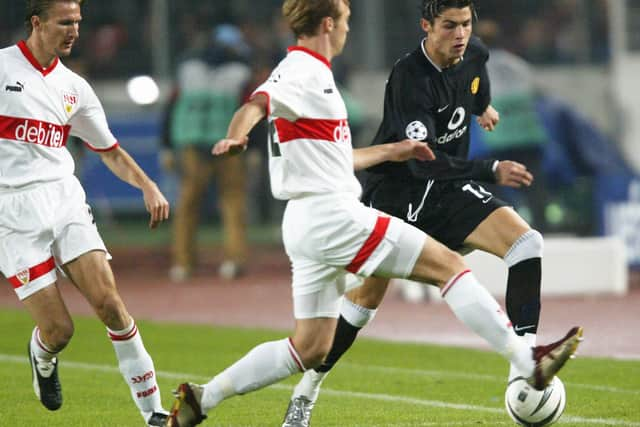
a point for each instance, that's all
(39, 109)
(310, 147)
(45, 223)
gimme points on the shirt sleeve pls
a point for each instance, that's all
(483, 98)
(284, 92)
(90, 122)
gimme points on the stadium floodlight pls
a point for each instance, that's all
(143, 90)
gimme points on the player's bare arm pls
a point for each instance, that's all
(489, 119)
(513, 174)
(241, 124)
(124, 167)
(393, 152)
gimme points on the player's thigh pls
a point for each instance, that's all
(371, 293)
(436, 264)
(498, 232)
(92, 275)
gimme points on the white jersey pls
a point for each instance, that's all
(39, 109)
(310, 150)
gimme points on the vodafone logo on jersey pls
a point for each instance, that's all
(34, 131)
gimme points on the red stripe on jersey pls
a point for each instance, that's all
(26, 276)
(34, 131)
(101, 150)
(370, 245)
(321, 129)
(33, 61)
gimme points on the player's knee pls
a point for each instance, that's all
(111, 310)
(314, 353)
(57, 334)
(438, 265)
(528, 245)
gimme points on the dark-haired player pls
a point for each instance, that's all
(431, 95)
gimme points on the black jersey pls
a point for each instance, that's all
(426, 103)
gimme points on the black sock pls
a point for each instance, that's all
(345, 335)
(523, 295)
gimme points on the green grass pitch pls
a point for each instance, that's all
(377, 383)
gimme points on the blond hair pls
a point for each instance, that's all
(304, 16)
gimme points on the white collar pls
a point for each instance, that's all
(424, 51)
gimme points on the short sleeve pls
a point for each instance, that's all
(284, 91)
(90, 122)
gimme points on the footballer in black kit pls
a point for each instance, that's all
(430, 96)
(424, 102)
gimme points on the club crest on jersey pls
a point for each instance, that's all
(23, 276)
(70, 100)
(475, 85)
(416, 130)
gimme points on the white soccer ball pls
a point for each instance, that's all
(535, 408)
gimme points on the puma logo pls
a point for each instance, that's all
(17, 88)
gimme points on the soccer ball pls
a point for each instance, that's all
(534, 408)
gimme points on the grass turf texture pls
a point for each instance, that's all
(376, 384)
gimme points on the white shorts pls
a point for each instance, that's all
(328, 237)
(41, 227)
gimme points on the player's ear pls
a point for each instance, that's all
(328, 24)
(426, 25)
(35, 22)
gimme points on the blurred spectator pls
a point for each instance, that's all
(209, 83)
(520, 135)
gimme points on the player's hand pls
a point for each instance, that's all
(411, 149)
(156, 204)
(230, 146)
(489, 119)
(513, 174)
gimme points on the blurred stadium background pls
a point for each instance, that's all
(571, 112)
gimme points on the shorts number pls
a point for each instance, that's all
(479, 192)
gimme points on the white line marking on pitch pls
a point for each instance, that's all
(341, 393)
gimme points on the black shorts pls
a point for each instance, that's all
(448, 211)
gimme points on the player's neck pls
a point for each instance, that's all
(38, 52)
(318, 44)
(436, 58)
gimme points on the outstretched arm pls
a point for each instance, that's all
(124, 167)
(241, 124)
(393, 152)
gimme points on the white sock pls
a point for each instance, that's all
(514, 372)
(309, 385)
(476, 308)
(39, 349)
(137, 369)
(265, 364)
(355, 314)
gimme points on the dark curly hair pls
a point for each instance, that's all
(431, 9)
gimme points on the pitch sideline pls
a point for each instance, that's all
(340, 393)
